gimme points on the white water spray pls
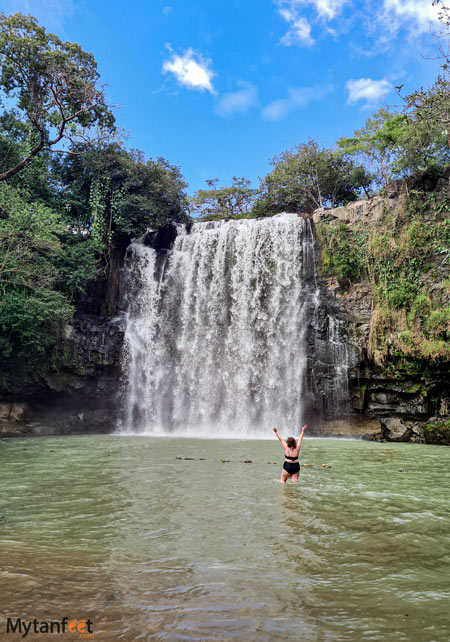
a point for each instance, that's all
(215, 342)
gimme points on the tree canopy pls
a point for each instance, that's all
(116, 194)
(55, 88)
(310, 176)
(223, 202)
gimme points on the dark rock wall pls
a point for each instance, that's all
(80, 398)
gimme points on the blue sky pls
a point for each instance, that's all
(220, 87)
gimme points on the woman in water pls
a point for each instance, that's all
(291, 467)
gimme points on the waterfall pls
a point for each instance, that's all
(216, 333)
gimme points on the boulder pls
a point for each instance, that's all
(11, 428)
(367, 210)
(12, 411)
(393, 428)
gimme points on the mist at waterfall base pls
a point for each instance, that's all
(216, 331)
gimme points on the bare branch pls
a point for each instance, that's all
(63, 151)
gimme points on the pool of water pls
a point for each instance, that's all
(148, 546)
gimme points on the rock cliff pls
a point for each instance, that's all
(76, 399)
(405, 398)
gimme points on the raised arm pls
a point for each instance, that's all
(283, 443)
(299, 442)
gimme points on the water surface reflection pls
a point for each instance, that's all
(151, 547)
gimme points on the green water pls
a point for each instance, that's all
(116, 529)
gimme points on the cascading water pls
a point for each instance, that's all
(215, 337)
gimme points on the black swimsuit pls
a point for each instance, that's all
(291, 467)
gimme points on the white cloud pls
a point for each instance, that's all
(237, 102)
(166, 10)
(300, 97)
(191, 70)
(299, 33)
(419, 12)
(325, 8)
(367, 89)
(300, 28)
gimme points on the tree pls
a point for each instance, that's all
(422, 146)
(35, 177)
(430, 106)
(113, 195)
(55, 86)
(376, 144)
(309, 177)
(32, 310)
(223, 202)
(395, 145)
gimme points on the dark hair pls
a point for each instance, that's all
(291, 443)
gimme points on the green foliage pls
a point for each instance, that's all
(28, 240)
(427, 109)
(443, 240)
(439, 322)
(396, 255)
(420, 308)
(376, 143)
(308, 177)
(407, 319)
(438, 432)
(30, 322)
(77, 264)
(54, 86)
(114, 195)
(342, 251)
(223, 202)
(398, 144)
(397, 284)
(421, 148)
(32, 310)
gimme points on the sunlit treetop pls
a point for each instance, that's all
(55, 88)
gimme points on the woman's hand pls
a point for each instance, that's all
(304, 428)
(275, 430)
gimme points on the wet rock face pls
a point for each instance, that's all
(400, 405)
(387, 401)
(95, 342)
(328, 363)
(82, 398)
(162, 238)
(399, 429)
(403, 399)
